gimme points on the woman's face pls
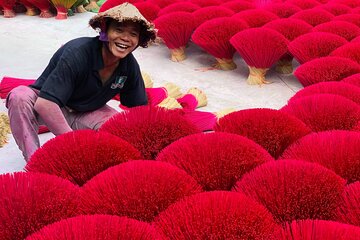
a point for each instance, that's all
(123, 37)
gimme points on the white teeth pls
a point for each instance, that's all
(121, 45)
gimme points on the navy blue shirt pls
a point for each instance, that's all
(72, 79)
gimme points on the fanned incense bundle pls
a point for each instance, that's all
(322, 112)
(291, 29)
(8, 8)
(138, 189)
(282, 10)
(356, 10)
(112, 3)
(356, 40)
(30, 201)
(97, 151)
(62, 7)
(304, 4)
(149, 129)
(335, 8)
(350, 3)
(349, 50)
(260, 48)
(256, 17)
(344, 29)
(44, 6)
(313, 16)
(311, 46)
(259, 123)
(353, 18)
(206, 13)
(219, 214)
(238, 5)
(349, 208)
(214, 37)
(206, 3)
(95, 227)
(336, 150)
(179, 6)
(164, 3)
(341, 88)
(214, 166)
(175, 29)
(31, 10)
(279, 186)
(314, 229)
(148, 9)
(352, 79)
(326, 69)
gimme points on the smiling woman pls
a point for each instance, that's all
(81, 77)
(122, 38)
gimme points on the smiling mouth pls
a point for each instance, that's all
(121, 46)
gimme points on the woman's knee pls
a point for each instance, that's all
(20, 96)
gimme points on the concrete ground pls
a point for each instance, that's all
(27, 44)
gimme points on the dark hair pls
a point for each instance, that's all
(145, 35)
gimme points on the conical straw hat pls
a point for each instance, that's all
(121, 13)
